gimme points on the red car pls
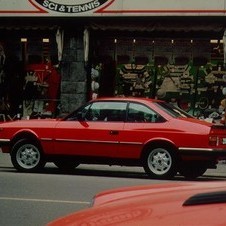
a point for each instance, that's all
(187, 204)
(121, 131)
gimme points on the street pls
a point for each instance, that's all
(35, 199)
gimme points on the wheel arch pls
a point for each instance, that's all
(159, 143)
(25, 135)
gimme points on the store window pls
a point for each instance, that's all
(42, 79)
(29, 79)
(190, 73)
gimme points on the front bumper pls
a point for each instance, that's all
(4, 145)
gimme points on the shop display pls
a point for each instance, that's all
(133, 80)
(40, 90)
(195, 83)
(95, 78)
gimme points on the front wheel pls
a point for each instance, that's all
(66, 165)
(160, 163)
(26, 156)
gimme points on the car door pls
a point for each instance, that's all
(95, 133)
(142, 124)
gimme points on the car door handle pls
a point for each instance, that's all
(114, 132)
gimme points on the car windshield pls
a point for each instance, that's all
(173, 110)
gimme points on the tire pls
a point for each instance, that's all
(66, 165)
(192, 171)
(160, 163)
(26, 156)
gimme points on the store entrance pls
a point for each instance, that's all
(107, 79)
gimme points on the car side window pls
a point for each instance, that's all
(107, 111)
(142, 113)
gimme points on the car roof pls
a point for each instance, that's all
(139, 99)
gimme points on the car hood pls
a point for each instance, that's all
(29, 123)
(152, 205)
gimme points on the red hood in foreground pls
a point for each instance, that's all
(164, 204)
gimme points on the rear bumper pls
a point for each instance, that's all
(203, 152)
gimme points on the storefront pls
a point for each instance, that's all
(56, 55)
(29, 80)
(177, 63)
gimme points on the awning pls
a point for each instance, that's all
(157, 26)
(27, 24)
(162, 25)
(27, 27)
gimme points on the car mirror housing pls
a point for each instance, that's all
(80, 116)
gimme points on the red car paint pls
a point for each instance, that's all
(159, 204)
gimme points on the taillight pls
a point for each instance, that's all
(213, 141)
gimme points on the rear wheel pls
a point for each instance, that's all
(26, 156)
(192, 171)
(160, 163)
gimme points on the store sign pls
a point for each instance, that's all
(112, 8)
(69, 7)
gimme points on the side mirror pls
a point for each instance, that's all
(80, 116)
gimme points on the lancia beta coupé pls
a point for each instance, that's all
(160, 137)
